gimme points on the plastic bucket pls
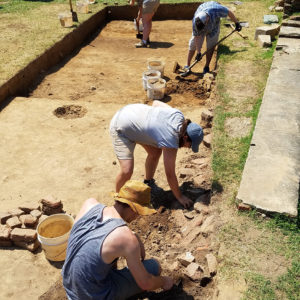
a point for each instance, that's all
(66, 19)
(82, 7)
(53, 234)
(150, 74)
(141, 28)
(156, 65)
(156, 88)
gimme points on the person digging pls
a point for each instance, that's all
(206, 24)
(99, 237)
(159, 129)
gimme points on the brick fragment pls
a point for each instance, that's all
(4, 217)
(31, 246)
(207, 140)
(212, 264)
(28, 207)
(186, 258)
(50, 201)
(36, 213)
(4, 233)
(23, 235)
(16, 212)
(28, 220)
(47, 210)
(264, 40)
(14, 222)
(244, 207)
(194, 272)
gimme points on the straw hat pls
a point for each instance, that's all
(137, 195)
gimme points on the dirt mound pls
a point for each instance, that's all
(70, 111)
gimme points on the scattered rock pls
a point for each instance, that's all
(199, 180)
(174, 266)
(36, 213)
(14, 222)
(279, 9)
(271, 8)
(194, 272)
(186, 258)
(27, 208)
(4, 233)
(269, 19)
(189, 215)
(207, 140)
(47, 210)
(186, 172)
(206, 118)
(4, 217)
(208, 225)
(51, 202)
(212, 264)
(200, 207)
(28, 220)
(271, 30)
(264, 40)
(244, 207)
(23, 235)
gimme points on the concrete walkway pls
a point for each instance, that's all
(271, 176)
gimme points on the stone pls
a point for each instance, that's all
(271, 30)
(178, 216)
(207, 140)
(189, 215)
(28, 207)
(4, 233)
(23, 235)
(264, 40)
(271, 8)
(295, 18)
(174, 266)
(4, 217)
(191, 236)
(291, 23)
(208, 225)
(244, 207)
(14, 222)
(186, 258)
(28, 220)
(193, 271)
(31, 246)
(183, 172)
(198, 180)
(279, 2)
(50, 201)
(6, 243)
(290, 32)
(47, 210)
(16, 212)
(212, 264)
(207, 115)
(269, 19)
(201, 208)
(279, 9)
(36, 213)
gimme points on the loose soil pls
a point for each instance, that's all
(56, 142)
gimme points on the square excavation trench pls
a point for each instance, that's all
(72, 158)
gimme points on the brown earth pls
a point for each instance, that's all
(56, 142)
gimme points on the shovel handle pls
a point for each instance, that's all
(71, 8)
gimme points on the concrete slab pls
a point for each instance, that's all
(289, 31)
(270, 180)
(291, 23)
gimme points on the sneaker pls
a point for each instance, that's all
(141, 44)
(206, 70)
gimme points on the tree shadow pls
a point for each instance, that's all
(225, 50)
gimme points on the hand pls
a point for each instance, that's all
(185, 201)
(198, 57)
(238, 26)
(168, 283)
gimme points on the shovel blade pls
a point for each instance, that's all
(139, 36)
(244, 24)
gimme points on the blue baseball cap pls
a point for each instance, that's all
(195, 133)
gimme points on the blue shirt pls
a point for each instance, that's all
(215, 12)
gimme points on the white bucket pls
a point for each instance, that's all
(53, 234)
(66, 19)
(156, 65)
(150, 74)
(156, 88)
(141, 27)
(82, 7)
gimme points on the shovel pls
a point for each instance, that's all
(138, 35)
(74, 14)
(184, 74)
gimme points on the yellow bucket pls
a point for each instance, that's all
(53, 234)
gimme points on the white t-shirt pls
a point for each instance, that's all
(149, 125)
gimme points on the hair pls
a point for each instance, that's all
(183, 132)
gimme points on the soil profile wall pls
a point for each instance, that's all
(19, 84)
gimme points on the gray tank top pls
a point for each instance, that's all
(84, 272)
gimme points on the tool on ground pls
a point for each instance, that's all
(184, 74)
(243, 24)
(74, 14)
(139, 35)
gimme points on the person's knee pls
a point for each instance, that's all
(126, 171)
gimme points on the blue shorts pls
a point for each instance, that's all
(123, 283)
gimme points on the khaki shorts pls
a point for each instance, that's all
(150, 6)
(210, 41)
(123, 146)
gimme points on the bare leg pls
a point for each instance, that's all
(151, 161)
(147, 24)
(209, 55)
(126, 170)
(190, 56)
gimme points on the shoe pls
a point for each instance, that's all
(141, 44)
(148, 41)
(206, 70)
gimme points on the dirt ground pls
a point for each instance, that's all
(56, 142)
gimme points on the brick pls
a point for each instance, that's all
(14, 222)
(186, 258)
(31, 246)
(23, 235)
(28, 220)
(16, 212)
(271, 30)
(194, 272)
(4, 233)
(6, 243)
(47, 210)
(212, 264)
(28, 207)
(264, 40)
(36, 213)
(4, 217)
(207, 140)
(244, 207)
(50, 201)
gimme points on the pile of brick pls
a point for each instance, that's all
(18, 226)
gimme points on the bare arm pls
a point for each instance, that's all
(232, 16)
(199, 42)
(169, 163)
